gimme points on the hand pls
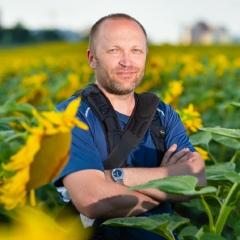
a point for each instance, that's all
(170, 158)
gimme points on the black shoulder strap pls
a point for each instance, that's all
(158, 134)
(135, 130)
(120, 144)
(105, 113)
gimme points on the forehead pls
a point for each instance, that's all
(120, 29)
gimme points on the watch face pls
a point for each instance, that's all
(117, 173)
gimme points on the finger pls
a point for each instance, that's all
(179, 156)
(185, 157)
(169, 154)
(182, 153)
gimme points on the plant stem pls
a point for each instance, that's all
(212, 157)
(234, 158)
(32, 197)
(210, 217)
(226, 208)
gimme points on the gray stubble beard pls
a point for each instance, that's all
(111, 85)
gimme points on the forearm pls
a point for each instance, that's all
(136, 176)
(120, 204)
(143, 175)
(194, 166)
(103, 198)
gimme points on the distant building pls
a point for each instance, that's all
(201, 33)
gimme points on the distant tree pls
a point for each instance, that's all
(19, 34)
(16, 35)
(50, 35)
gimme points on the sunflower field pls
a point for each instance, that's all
(202, 83)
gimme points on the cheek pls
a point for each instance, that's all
(141, 62)
(107, 64)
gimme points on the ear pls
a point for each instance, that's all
(91, 59)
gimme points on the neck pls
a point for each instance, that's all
(121, 103)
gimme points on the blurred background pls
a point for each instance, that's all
(176, 22)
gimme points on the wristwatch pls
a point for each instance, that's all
(117, 175)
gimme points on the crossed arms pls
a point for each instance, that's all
(95, 194)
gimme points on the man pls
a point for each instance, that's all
(117, 53)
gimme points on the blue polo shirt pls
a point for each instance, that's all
(89, 150)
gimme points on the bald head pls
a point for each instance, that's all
(93, 36)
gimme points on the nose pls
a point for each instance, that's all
(125, 59)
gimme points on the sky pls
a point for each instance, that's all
(162, 19)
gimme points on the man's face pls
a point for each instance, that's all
(119, 56)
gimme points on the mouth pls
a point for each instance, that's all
(125, 74)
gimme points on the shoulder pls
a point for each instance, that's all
(83, 109)
(63, 105)
(175, 130)
(170, 119)
(166, 112)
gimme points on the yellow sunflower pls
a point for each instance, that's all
(43, 156)
(203, 153)
(173, 93)
(190, 118)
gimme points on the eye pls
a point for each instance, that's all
(113, 50)
(136, 50)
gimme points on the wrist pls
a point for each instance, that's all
(117, 175)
